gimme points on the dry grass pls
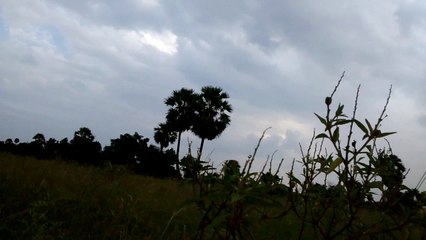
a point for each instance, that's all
(53, 199)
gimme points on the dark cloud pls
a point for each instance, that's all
(108, 65)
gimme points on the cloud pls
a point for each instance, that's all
(422, 120)
(164, 42)
(109, 65)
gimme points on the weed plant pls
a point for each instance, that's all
(235, 203)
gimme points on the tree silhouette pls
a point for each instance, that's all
(83, 147)
(392, 172)
(211, 117)
(127, 149)
(180, 115)
(37, 146)
(155, 163)
(64, 149)
(390, 169)
(134, 152)
(52, 148)
(164, 135)
(83, 133)
(11, 146)
(40, 139)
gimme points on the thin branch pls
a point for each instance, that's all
(279, 166)
(352, 122)
(251, 159)
(272, 158)
(338, 83)
(382, 115)
(347, 160)
(421, 181)
(263, 169)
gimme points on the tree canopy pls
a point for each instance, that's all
(206, 114)
(212, 114)
(180, 115)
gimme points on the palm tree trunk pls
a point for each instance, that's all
(201, 149)
(177, 151)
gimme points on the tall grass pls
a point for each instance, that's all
(42, 199)
(57, 200)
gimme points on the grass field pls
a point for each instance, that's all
(56, 200)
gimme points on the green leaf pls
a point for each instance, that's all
(361, 126)
(363, 168)
(321, 135)
(342, 121)
(334, 164)
(376, 184)
(363, 164)
(339, 110)
(322, 120)
(293, 178)
(385, 134)
(336, 135)
(369, 125)
(370, 149)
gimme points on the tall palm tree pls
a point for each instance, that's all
(212, 114)
(164, 135)
(180, 115)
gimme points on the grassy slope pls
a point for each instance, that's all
(56, 200)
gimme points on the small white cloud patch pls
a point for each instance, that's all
(165, 42)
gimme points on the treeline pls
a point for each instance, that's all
(206, 114)
(130, 150)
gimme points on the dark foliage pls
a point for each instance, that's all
(126, 150)
(211, 115)
(180, 115)
(132, 151)
(206, 114)
(84, 149)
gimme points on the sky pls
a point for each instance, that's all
(108, 65)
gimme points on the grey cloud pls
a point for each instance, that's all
(422, 120)
(80, 64)
(128, 14)
(243, 71)
(4, 33)
(411, 16)
(201, 18)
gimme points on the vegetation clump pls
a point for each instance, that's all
(368, 200)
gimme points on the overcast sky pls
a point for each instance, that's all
(109, 65)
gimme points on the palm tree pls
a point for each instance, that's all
(181, 113)
(211, 117)
(164, 135)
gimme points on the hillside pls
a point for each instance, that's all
(42, 199)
